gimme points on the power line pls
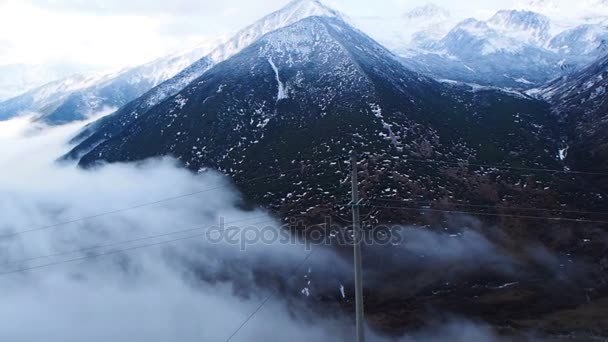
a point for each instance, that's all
(147, 204)
(494, 206)
(114, 252)
(150, 237)
(126, 250)
(429, 161)
(167, 199)
(490, 214)
(272, 294)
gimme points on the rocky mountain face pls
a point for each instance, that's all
(581, 103)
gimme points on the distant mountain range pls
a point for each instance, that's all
(515, 49)
(79, 96)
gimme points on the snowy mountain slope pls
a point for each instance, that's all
(117, 90)
(525, 26)
(47, 97)
(475, 37)
(291, 13)
(514, 48)
(77, 97)
(502, 52)
(314, 90)
(584, 41)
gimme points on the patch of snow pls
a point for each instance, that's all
(523, 81)
(563, 153)
(504, 286)
(282, 94)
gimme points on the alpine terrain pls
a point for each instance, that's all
(292, 13)
(518, 49)
(297, 91)
(581, 104)
(80, 96)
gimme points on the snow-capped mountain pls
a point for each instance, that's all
(520, 48)
(307, 93)
(293, 12)
(48, 97)
(502, 52)
(475, 37)
(114, 91)
(427, 12)
(584, 41)
(514, 48)
(525, 26)
(79, 96)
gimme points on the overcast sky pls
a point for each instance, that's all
(129, 32)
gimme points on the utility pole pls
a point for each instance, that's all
(357, 236)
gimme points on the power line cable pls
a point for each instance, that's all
(118, 243)
(114, 252)
(272, 294)
(160, 243)
(147, 204)
(464, 163)
(490, 214)
(493, 206)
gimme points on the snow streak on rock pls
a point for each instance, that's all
(282, 93)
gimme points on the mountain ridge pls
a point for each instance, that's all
(292, 12)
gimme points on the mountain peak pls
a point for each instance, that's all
(428, 11)
(299, 9)
(527, 26)
(520, 17)
(291, 13)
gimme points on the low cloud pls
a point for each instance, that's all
(149, 274)
(186, 291)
